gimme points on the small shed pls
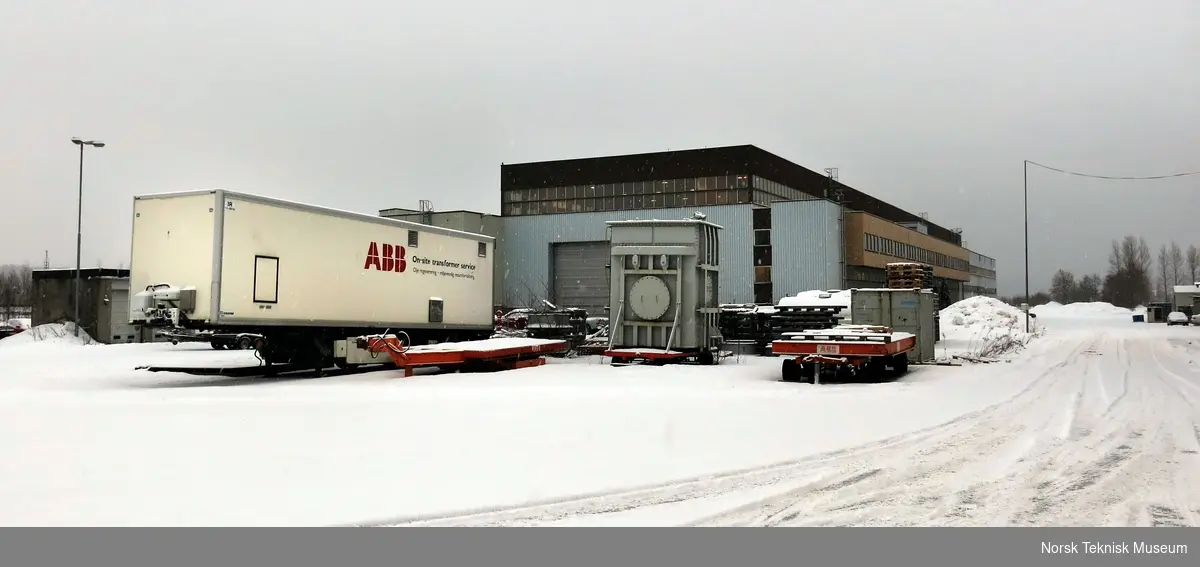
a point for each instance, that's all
(103, 302)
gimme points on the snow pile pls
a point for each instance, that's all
(987, 327)
(1084, 310)
(57, 333)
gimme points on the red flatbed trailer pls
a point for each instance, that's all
(846, 352)
(488, 355)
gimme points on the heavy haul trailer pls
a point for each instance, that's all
(308, 279)
(845, 353)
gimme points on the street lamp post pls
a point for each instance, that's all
(1028, 303)
(79, 225)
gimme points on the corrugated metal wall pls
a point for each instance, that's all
(526, 242)
(806, 247)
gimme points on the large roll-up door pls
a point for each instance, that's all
(580, 279)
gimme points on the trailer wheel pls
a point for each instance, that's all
(790, 370)
(706, 358)
(876, 369)
(245, 343)
(900, 364)
(217, 345)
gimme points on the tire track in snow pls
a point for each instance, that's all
(1122, 461)
(709, 485)
(898, 495)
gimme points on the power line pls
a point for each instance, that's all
(1075, 173)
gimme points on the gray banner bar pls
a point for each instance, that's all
(607, 547)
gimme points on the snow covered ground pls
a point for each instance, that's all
(1093, 423)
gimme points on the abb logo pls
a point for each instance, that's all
(390, 260)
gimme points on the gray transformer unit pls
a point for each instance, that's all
(663, 288)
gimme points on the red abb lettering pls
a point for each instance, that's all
(386, 258)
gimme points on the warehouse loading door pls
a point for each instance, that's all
(580, 278)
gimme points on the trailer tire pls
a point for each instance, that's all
(790, 370)
(706, 358)
(217, 345)
(900, 364)
(245, 343)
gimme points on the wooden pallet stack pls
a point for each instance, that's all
(909, 275)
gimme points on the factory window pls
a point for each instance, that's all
(412, 238)
(483, 250)
(762, 255)
(763, 293)
(762, 274)
(762, 237)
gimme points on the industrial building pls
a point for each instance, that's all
(786, 228)
(983, 277)
(103, 302)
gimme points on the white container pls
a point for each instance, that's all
(219, 259)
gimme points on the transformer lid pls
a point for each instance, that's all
(649, 298)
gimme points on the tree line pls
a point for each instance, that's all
(1133, 278)
(16, 291)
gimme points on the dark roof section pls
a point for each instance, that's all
(729, 160)
(86, 273)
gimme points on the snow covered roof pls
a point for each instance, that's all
(1194, 288)
(817, 298)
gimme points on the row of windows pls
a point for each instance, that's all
(719, 182)
(628, 202)
(779, 190)
(976, 270)
(978, 290)
(983, 261)
(889, 247)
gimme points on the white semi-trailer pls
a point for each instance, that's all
(305, 278)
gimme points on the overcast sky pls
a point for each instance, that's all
(930, 105)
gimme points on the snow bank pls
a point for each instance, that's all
(1081, 310)
(56, 333)
(986, 327)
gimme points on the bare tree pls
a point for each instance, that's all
(1193, 263)
(16, 291)
(1130, 264)
(1089, 288)
(1177, 266)
(1164, 260)
(1062, 287)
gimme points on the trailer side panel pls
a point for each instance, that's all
(288, 265)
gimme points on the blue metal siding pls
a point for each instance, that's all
(806, 247)
(526, 242)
